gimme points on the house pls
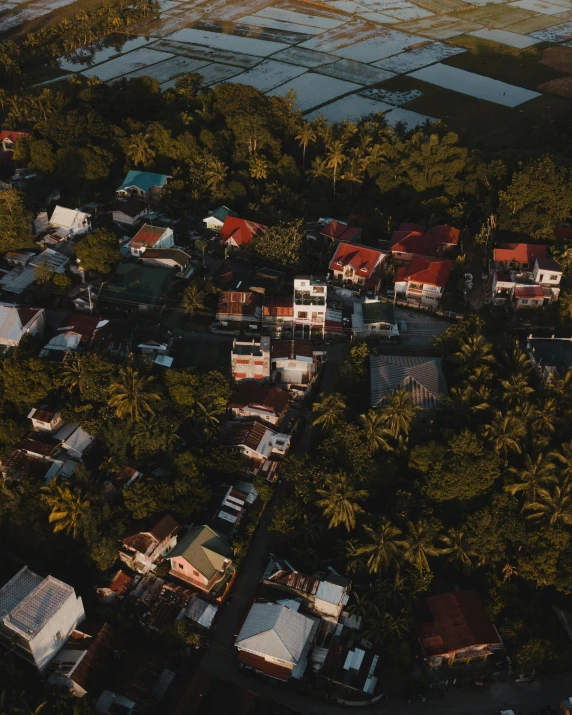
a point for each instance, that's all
(275, 640)
(528, 289)
(67, 223)
(421, 377)
(277, 314)
(264, 402)
(45, 419)
(216, 218)
(295, 362)
(203, 559)
(201, 612)
(21, 277)
(142, 184)
(262, 446)
(170, 258)
(75, 440)
(142, 550)
(552, 356)
(234, 507)
(237, 232)
(120, 585)
(8, 139)
(15, 322)
(250, 359)
(374, 319)
(114, 338)
(38, 613)
(239, 306)
(129, 212)
(324, 597)
(19, 465)
(151, 237)
(519, 256)
(75, 335)
(413, 239)
(423, 280)
(339, 231)
(86, 662)
(310, 306)
(357, 265)
(137, 287)
(459, 630)
(18, 258)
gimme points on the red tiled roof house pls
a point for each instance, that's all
(413, 239)
(8, 139)
(265, 402)
(423, 280)
(151, 237)
(237, 232)
(524, 276)
(357, 265)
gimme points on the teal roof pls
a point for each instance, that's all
(144, 180)
(221, 213)
(135, 283)
(378, 312)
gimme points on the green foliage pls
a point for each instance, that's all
(281, 244)
(15, 226)
(27, 382)
(98, 251)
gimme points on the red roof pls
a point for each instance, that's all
(433, 272)
(519, 252)
(459, 621)
(147, 236)
(340, 231)
(240, 230)
(362, 259)
(278, 305)
(273, 399)
(27, 314)
(528, 292)
(236, 302)
(13, 136)
(289, 349)
(121, 583)
(412, 238)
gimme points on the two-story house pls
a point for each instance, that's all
(143, 184)
(67, 223)
(517, 256)
(358, 265)
(295, 363)
(277, 315)
(265, 402)
(250, 359)
(523, 289)
(151, 237)
(37, 614)
(412, 239)
(262, 446)
(310, 297)
(423, 280)
(142, 551)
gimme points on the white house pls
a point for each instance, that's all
(423, 280)
(295, 362)
(309, 305)
(40, 613)
(142, 184)
(358, 265)
(67, 223)
(216, 218)
(15, 322)
(250, 359)
(151, 237)
(45, 420)
(528, 289)
(374, 318)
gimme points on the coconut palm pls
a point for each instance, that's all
(319, 168)
(386, 546)
(505, 433)
(306, 136)
(463, 402)
(456, 547)
(202, 245)
(553, 506)
(330, 410)
(516, 389)
(420, 537)
(360, 603)
(139, 149)
(473, 352)
(399, 412)
(69, 507)
(193, 300)
(517, 360)
(71, 372)
(130, 395)
(562, 459)
(339, 501)
(532, 476)
(375, 432)
(480, 376)
(335, 158)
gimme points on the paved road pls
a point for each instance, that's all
(421, 327)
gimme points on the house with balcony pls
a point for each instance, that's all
(310, 296)
(522, 289)
(424, 280)
(151, 237)
(203, 559)
(277, 315)
(250, 359)
(356, 265)
(263, 447)
(412, 239)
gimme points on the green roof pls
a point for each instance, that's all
(221, 213)
(205, 549)
(378, 312)
(136, 283)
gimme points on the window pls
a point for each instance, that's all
(541, 277)
(524, 301)
(180, 565)
(303, 315)
(554, 278)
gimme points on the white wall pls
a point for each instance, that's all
(46, 643)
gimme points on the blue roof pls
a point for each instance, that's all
(144, 180)
(221, 213)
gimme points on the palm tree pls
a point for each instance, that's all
(71, 372)
(564, 459)
(201, 244)
(258, 167)
(505, 433)
(130, 395)
(193, 299)
(463, 402)
(319, 168)
(458, 550)
(420, 536)
(69, 507)
(330, 410)
(385, 547)
(399, 412)
(335, 158)
(553, 506)
(473, 352)
(517, 360)
(516, 389)
(374, 431)
(481, 375)
(139, 150)
(561, 387)
(531, 477)
(306, 136)
(339, 501)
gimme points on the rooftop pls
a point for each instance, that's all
(292, 349)
(362, 259)
(421, 377)
(552, 352)
(249, 433)
(414, 238)
(240, 230)
(205, 549)
(144, 180)
(433, 272)
(340, 231)
(240, 303)
(519, 252)
(221, 213)
(147, 236)
(137, 284)
(251, 394)
(377, 311)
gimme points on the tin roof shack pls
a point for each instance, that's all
(234, 507)
(325, 596)
(276, 641)
(143, 550)
(40, 612)
(458, 630)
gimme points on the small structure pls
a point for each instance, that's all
(67, 223)
(203, 559)
(275, 640)
(325, 596)
(40, 613)
(236, 306)
(357, 265)
(21, 277)
(295, 363)
(414, 239)
(170, 258)
(45, 419)
(143, 184)
(15, 322)
(264, 402)
(263, 447)
(234, 507)
(310, 296)
(201, 612)
(137, 287)
(423, 280)
(250, 359)
(75, 440)
(421, 377)
(151, 237)
(216, 218)
(374, 319)
(143, 550)
(460, 631)
(129, 212)
(75, 335)
(237, 232)
(339, 231)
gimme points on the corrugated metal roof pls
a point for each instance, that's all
(144, 180)
(205, 549)
(330, 592)
(421, 377)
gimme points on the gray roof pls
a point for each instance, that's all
(29, 601)
(378, 312)
(271, 629)
(205, 549)
(421, 377)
